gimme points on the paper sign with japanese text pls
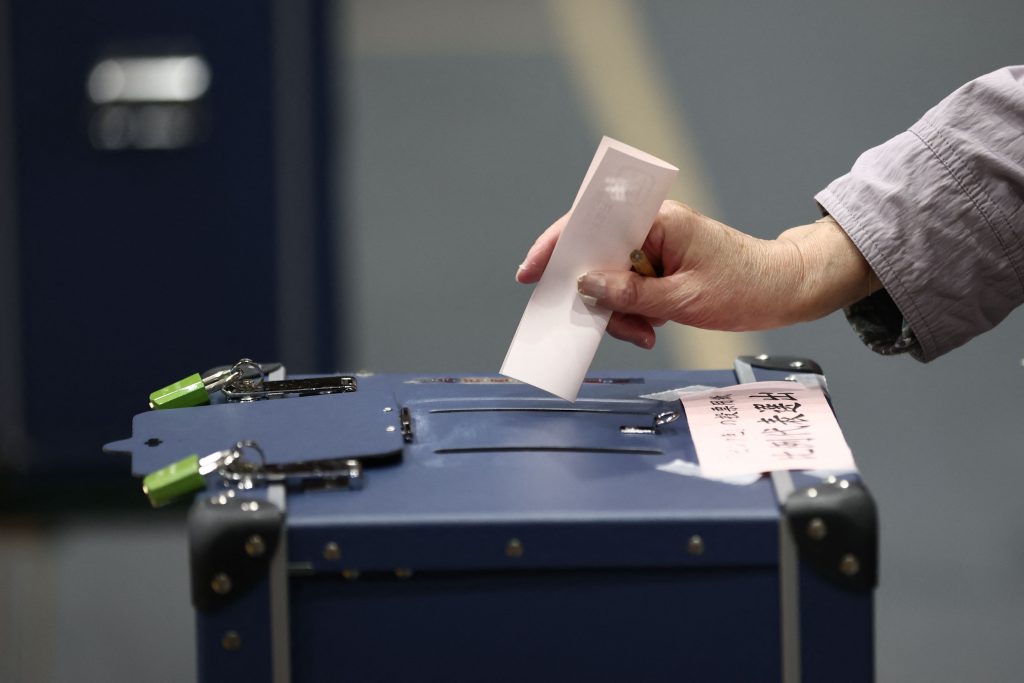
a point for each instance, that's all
(765, 427)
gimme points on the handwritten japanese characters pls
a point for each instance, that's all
(764, 427)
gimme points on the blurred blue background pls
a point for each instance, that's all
(351, 184)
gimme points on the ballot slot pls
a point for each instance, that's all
(629, 427)
(517, 409)
(549, 449)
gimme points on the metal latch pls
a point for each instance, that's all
(406, 419)
(658, 421)
(236, 471)
(255, 387)
(255, 390)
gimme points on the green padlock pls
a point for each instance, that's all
(183, 477)
(195, 389)
(174, 481)
(185, 393)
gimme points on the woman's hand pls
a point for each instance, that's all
(718, 278)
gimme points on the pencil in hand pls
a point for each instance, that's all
(641, 264)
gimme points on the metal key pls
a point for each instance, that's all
(303, 475)
(259, 389)
(236, 471)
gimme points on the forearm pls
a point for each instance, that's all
(833, 274)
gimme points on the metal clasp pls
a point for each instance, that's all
(243, 473)
(255, 386)
(659, 420)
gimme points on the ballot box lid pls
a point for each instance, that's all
(478, 473)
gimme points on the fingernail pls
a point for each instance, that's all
(522, 267)
(592, 285)
(588, 300)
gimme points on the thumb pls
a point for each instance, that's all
(625, 292)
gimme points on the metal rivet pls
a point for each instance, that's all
(390, 428)
(255, 546)
(388, 409)
(849, 564)
(514, 548)
(250, 506)
(797, 364)
(332, 551)
(221, 584)
(843, 484)
(816, 529)
(231, 641)
(695, 546)
(763, 356)
(831, 479)
(812, 493)
(403, 573)
(350, 574)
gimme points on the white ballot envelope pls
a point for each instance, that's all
(613, 212)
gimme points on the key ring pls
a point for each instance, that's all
(247, 363)
(235, 469)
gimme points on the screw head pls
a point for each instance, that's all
(250, 506)
(390, 428)
(695, 546)
(514, 548)
(231, 641)
(797, 364)
(816, 529)
(255, 546)
(332, 552)
(388, 409)
(762, 356)
(221, 583)
(812, 493)
(849, 565)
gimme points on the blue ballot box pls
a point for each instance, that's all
(479, 530)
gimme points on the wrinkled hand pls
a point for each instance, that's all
(718, 278)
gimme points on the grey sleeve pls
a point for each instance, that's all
(937, 212)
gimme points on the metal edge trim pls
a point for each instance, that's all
(280, 628)
(789, 578)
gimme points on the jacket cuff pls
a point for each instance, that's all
(881, 326)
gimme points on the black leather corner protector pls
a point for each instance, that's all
(836, 531)
(783, 363)
(230, 547)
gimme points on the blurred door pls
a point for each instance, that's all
(166, 205)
